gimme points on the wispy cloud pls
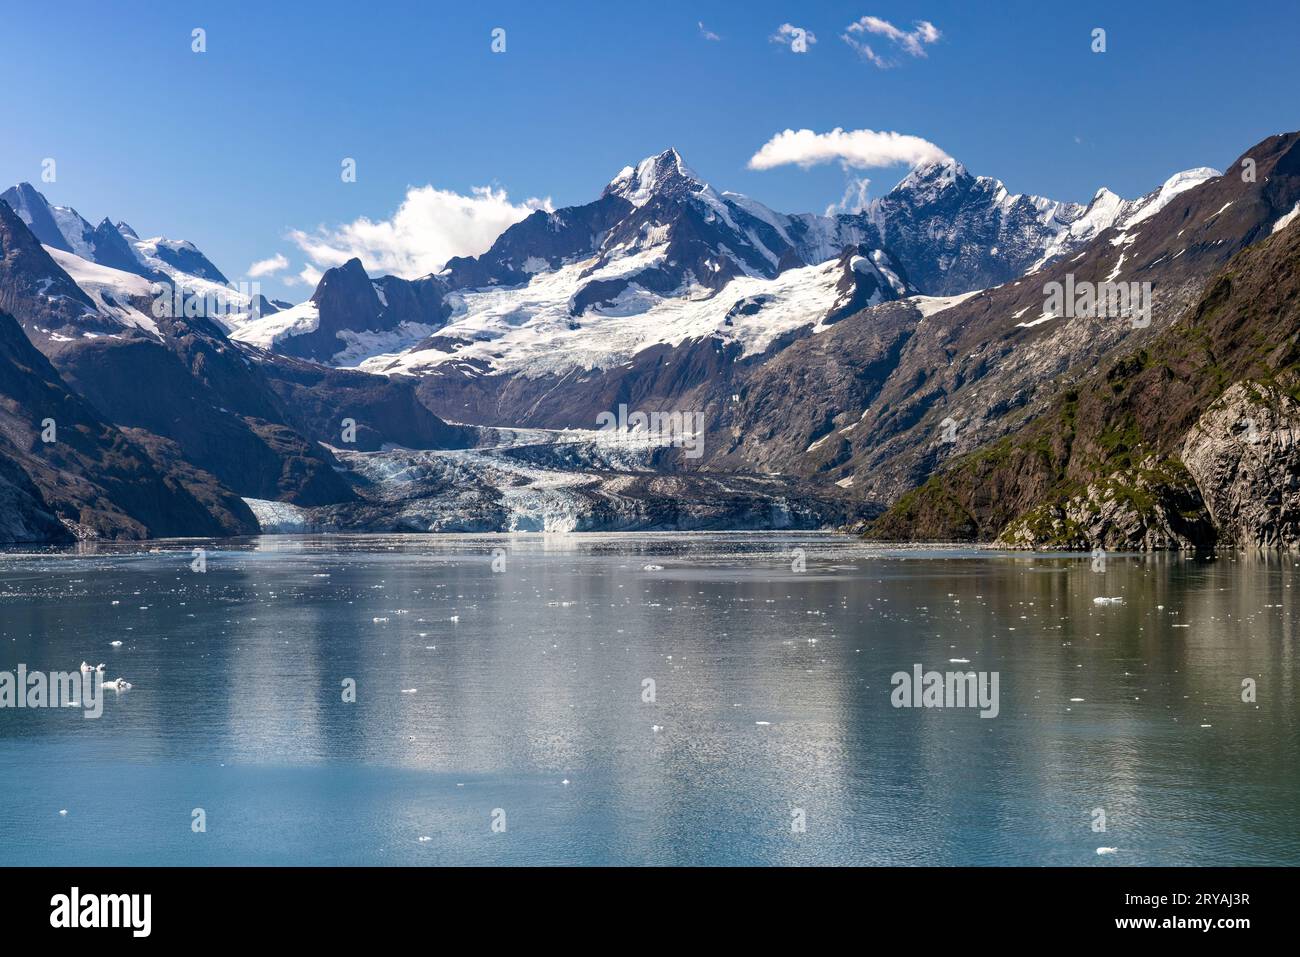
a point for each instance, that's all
(308, 276)
(707, 33)
(911, 42)
(855, 197)
(430, 227)
(268, 267)
(797, 38)
(856, 149)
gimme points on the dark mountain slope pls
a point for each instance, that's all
(25, 516)
(386, 409)
(992, 362)
(1190, 440)
(196, 390)
(92, 476)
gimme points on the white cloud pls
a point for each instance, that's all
(911, 41)
(855, 197)
(789, 34)
(309, 275)
(266, 267)
(866, 52)
(430, 227)
(857, 149)
(707, 33)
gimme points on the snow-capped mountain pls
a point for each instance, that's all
(671, 230)
(219, 421)
(1107, 210)
(816, 357)
(957, 232)
(537, 330)
(662, 257)
(177, 265)
(116, 246)
(350, 317)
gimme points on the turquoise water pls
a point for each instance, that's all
(515, 695)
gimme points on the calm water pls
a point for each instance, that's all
(530, 677)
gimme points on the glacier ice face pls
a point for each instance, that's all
(553, 482)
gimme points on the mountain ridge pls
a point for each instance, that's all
(840, 375)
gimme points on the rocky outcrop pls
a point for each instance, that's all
(1244, 454)
(1154, 507)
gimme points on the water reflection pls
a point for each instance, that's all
(490, 670)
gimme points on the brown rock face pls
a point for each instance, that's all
(1244, 454)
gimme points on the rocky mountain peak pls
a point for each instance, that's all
(933, 178)
(347, 283)
(35, 210)
(665, 174)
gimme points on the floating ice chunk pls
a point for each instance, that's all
(1107, 850)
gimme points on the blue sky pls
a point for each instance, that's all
(236, 147)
